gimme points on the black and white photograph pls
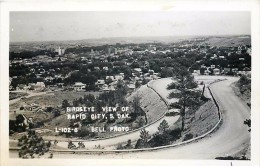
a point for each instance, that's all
(172, 85)
(130, 85)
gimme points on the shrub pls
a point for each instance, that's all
(160, 140)
(175, 134)
(119, 146)
(187, 137)
(171, 114)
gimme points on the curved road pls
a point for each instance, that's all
(229, 139)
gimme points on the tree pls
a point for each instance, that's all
(141, 122)
(185, 91)
(65, 104)
(137, 105)
(32, 144)
(128, 145)
(248, 123)
(144, 136)
(108, 81)
(137, 85)
(163, 127)
(71, 145)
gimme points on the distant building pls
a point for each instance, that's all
(100, 83)
(227, 69)
(196, 72)
(79, 86)
(131, 87)
(39, 86)
(216, 71)
(235, 70)
(60, 51)
(21, 87)
(96, 68)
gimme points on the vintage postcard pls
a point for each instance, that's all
(168, 84)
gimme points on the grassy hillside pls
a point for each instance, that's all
(242, 88)
(229, 41)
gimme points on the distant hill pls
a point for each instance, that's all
(212, 40)
(229, 40)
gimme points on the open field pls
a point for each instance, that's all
(15, 95)
(246, 96)
(50, 99)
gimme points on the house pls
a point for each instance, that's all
(212, 66)
(105, 68)
(196, 72)
(246, 69)
(53, 87)
(22, 87)
(234, 70)
(138, 70)
(60, 85)
(107, 88)
(39, 86)
(131, 87)
(96, 68)
(48, 78)
(241, 72)
(110, 77)
(151, 72)
(119, 77)
(100, 83)
(79, 86)
(216, 71)
(115, 78)
(207, 72)
(227, 69)
(202, 66)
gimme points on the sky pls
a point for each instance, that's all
(58, 26)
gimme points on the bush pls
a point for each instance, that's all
(83, 132)
(119, 146)
(32, 144)
(175, 134)
(49, 109)
(188, 137)
(171, 114)
(128, 145)
(160, 140)
(232, 158)
(56, 113)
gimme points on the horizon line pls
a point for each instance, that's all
(67, 40)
